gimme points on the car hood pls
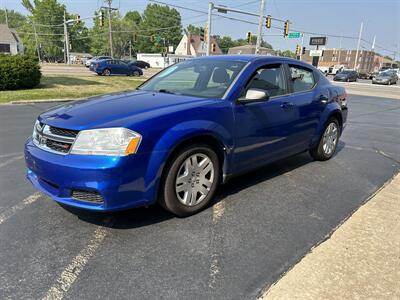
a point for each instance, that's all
(114, 109)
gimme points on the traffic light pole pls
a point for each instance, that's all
(210, 8)
(260, 24)
(110, 9)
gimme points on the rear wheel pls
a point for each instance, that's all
(328, 142)
(190, 181)
(106, 72)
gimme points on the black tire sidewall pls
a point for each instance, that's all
(168, 198)
(318, 153)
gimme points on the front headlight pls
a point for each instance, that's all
(106, 141)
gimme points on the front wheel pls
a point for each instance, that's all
(328, 142)
(190, 180)
(136, 73)
(106, 72)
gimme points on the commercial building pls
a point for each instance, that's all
(367, 61)
(250, 49)
(10, 43)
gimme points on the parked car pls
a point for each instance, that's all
(346, 75)
(141, 64)
(109, 67)
(183, 132)
(94, 59)
(386, 77)
(363, 75)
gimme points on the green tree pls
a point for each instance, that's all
(47, 17)
(162, 22)
(193, 29)
(225, 43)
(15, 19)
(286, 53)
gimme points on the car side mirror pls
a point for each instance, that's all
(254, 95)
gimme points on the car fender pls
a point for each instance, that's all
(172, 138)
(331, 109)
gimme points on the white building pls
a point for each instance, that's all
(10, 42)
(196, 47)
(157, 60)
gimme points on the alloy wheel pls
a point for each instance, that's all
(194, 179)
(330, 138)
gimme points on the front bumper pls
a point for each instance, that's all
(119, 180)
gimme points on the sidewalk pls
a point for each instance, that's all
(361, 260)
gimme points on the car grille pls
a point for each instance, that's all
(54, 139)
(87, 196)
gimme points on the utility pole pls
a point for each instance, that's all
(37, 42)
(66, 39)
(130, 50)
(260, 24)
(110, 9)
(66, 42)
(210, 8)
(6, 15)
(358, 45)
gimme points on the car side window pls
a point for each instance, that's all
(302, 78)
(269, 78)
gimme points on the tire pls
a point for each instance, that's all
(106, 72)
(136, 73)
(176, 195)
(320, 152)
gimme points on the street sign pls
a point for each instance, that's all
(294, 35)
(316, 52)
(318, 41)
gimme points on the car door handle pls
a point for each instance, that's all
(287, 105)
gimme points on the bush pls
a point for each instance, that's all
(19, 72)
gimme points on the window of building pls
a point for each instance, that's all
(5, 48)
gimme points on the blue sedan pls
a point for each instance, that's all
(184, 132)
(109, 67)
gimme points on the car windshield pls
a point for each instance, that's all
(198, 77)
(345, 72)
(385, 74)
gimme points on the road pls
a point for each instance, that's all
(261, 225)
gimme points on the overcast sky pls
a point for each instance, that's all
(331, 17)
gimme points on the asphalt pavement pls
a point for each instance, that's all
(261, 225)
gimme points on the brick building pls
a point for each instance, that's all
(367, 61)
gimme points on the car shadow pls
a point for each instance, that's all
(144, 216)
(53, 81)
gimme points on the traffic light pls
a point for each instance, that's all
(213, 47)
(268, 21)
(303, 51)
(152, 38)
(78, 19)
(202, 34)
(286, 29)
(248, 37)
(298, 50)
(135, 37)
(101, 18)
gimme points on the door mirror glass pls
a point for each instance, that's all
(253, 95)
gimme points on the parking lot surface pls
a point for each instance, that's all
(261, 225)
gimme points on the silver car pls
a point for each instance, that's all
(386, 77)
